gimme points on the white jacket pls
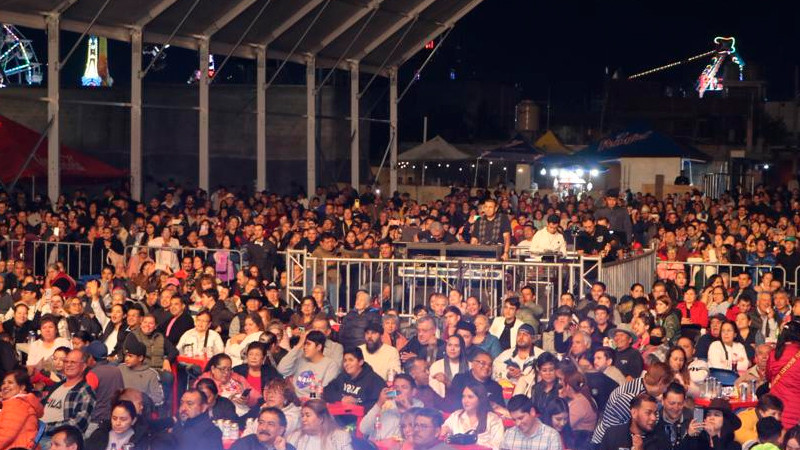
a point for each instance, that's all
(497, 329)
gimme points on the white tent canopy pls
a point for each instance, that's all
(436, 149)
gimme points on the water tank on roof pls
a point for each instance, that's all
(527, 116)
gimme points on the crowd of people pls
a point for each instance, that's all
(161, 347)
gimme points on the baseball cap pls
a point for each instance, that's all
(134, 347)
(527, 328)
(97, 349)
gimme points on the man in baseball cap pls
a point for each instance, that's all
(519, 362)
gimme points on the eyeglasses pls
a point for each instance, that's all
(223, 369)
(481, 363)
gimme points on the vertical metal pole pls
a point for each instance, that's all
(136, 114)
(53, 93)
(393, 131)
(354, 125)
(261, 119)
(203, 178)
(311, 126)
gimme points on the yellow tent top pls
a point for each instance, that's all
(551, 144)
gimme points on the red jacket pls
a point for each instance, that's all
(788, 386)
(698, 313)
(19, 421)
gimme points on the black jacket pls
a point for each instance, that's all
(140, 439)
(351, 333)
(197, 433)
(365, 387)
(221, 317)
(263, 254)
(121, 335)
(182, 325)
(415, 347)
(19, 333)
(619, 436)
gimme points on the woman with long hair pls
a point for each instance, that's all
(476, 416)
(668, 318)
(676, 359)
(120, 432)
(582, 407)
(219, 408)
(548, 386)
(454, 362)
(783, 372)
(727, 353)
(252, 329)
(318, 429)
(719, 426)
(19, 418)
(556, 415)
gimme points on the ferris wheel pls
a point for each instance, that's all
(18, 62)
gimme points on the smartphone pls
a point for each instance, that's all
(698, 415)
(56, 231)
(392, 393)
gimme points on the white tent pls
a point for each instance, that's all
(436, 149)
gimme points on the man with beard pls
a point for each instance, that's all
(640, 432)
(268, 435)
(382, 358)
(195, 429)
(517, 362)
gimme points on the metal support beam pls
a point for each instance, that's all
(53, 94)
(261, 119)
(311, 126)
(231, 12)
(355, 137)
(154, 12)
(448, 24)
(291, 20)
(241, 37)
(393, 131)
(203, 178)
(346, 25)
(393, 28)
(136, 114)
(424, 64)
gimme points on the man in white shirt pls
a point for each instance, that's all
(549, 240)
(381, 357)
(195, 341)
(518, 360)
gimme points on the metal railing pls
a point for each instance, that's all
(172, 256)
(79, 259)
(404, 283)
(618, 276)
(699, 272)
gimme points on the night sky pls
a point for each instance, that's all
(561, 47)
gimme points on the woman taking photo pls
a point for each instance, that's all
(719, 426)
(784, 372)
(19, 418)
(726, 353)
(547, 388)
(318, 429)
(454, 362)
(582, 407)
(476, 417)
(230, 385)
(119, 433)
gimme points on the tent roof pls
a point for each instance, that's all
(16, 142)
(436, 149)
(641, 142)
(551, 144)
(379, 34)
(517, 149)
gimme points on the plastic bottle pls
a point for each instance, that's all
(31, 339)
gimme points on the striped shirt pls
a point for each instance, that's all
(618, 408)
(543, 438)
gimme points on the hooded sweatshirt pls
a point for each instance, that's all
(365, 387)
(19, 421)
(144, 379)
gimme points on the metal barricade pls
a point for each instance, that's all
(403, 283)
(79, 259)
(236, 258)
(618, 276)
(699, 272)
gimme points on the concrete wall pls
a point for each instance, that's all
(170, 131)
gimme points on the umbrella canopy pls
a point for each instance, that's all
(641, 142)
(518, 150)
(551, 144)
(16, 142)
(436, 149)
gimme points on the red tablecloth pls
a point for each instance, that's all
(193, 360)
(344, 409)
(735, 403)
